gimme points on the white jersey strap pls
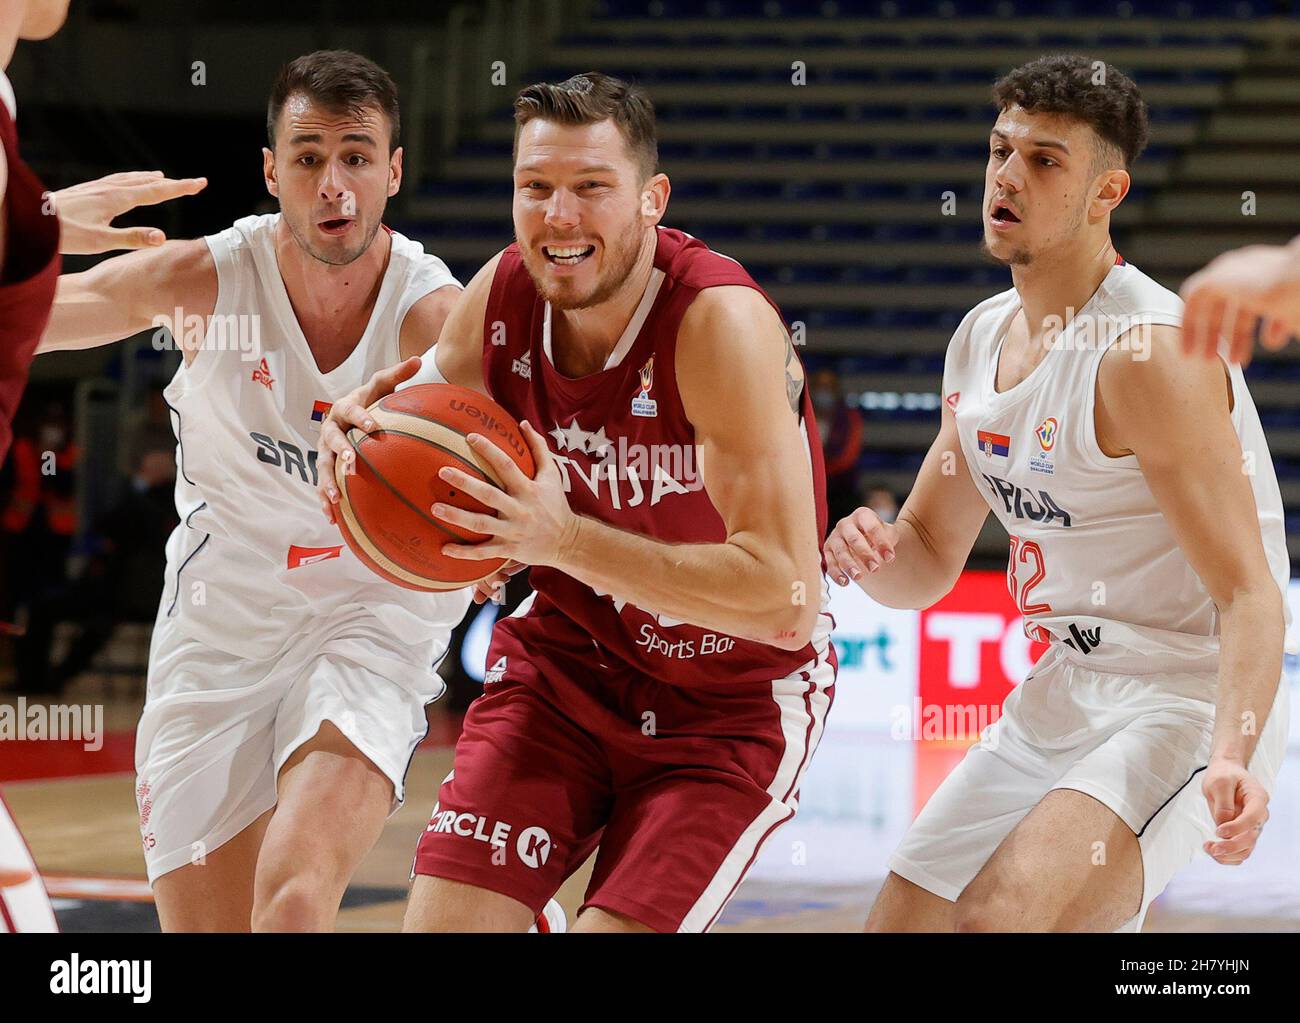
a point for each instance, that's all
(429, 372)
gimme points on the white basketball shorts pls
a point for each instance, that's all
(1136, 743)
(217, 728)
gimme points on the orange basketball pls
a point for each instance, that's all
(384, 506)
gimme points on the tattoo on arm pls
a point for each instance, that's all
(793, 384)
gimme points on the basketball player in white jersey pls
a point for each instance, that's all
(287, 683)
(1147, 548)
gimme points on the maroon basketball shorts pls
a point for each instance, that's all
(568, 750)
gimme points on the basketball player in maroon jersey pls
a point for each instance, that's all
(663, 689)
(31, 240)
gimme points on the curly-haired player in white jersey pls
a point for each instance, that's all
(1147, 548)
(287, 683)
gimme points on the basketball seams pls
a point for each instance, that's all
(357, 534)
(438, 434)
(426, 516)
(428, 422)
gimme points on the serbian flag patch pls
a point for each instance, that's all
(319, 410)
(994, 443)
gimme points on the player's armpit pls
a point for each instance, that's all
(738, 379)
(135, 292)
(425, 320)
(459, 338)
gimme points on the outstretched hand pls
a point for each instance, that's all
(86, 211)
(1238, 293)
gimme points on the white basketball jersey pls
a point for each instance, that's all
(254, 562)
(1094, 566)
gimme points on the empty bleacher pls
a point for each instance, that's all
(815, 142)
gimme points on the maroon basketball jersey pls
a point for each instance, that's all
(27, 278)
(627, 452)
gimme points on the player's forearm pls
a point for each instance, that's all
(1250, 665)
(84, 317)
(916, 578)
(720, 586)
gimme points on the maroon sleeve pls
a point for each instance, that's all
(30, 271)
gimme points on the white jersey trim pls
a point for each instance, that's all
(630, 332)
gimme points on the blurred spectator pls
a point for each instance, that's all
(39, 517)
(880, 500)
(122, 581)
(149, 425)
(841, 430)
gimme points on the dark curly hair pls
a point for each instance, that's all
(1091, 90)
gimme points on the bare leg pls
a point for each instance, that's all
(1070, 865)
(332, 805)
(437, 904)
(903, 906)
(602, 921)
(216, 895)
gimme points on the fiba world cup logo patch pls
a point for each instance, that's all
(643, 404)
(1041, 460)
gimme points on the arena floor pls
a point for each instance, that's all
(819, 873)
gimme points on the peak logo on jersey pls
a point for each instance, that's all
(642, 403)
(1046, 433)
(994, 443)
(262, 375)
(495, 673)
(952, 400)
(523, 366)
(299, 556)
(1020, 503)
(319, 410)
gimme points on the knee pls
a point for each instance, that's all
(293, 903)
(984, 911)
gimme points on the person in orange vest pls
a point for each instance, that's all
(40, 518)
